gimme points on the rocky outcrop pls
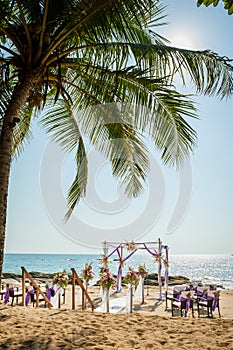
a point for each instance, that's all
(152, 280)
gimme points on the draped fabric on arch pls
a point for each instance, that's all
(156, 253)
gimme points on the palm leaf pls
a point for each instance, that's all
(60, 122)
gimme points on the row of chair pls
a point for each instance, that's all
(183, 299)
(12, 293)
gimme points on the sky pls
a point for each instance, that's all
(190, 210)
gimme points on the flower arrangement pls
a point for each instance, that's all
(106, 278)
(87, 273)
(61, 279)
(131, 246)
(131, 277)
(104, 260)
(142, 271)
(157, 257)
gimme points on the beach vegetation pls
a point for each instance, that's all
(98, 70)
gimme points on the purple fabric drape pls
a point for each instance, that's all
(215, 303)
(49, 293)
(204, 297)
(119, 273)
(187, 305)
(176, 294)
(160, 265)
(116, 249)
(7, 295)
(28, 295)
(166, 269)
(149, 251)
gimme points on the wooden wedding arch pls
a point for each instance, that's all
(156, 249)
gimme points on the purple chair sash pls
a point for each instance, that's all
(49, 293)
(187, 305)
(204, 297)
(176, 294)
(188, 302)
(215, 303)
(7, 295)
(28, 295)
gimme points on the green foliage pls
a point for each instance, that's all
(98, 70)
(228, 4)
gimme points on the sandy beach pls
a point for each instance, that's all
(148, 327)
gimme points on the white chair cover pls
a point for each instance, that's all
(58, 292)
(105, 301)
(138, 294)
(128, 298)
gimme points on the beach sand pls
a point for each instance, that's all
(148, 327)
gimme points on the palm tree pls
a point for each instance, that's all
(97, 69)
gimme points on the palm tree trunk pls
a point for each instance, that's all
(18, 98)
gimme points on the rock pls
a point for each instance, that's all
(8, 275)
(152, 280)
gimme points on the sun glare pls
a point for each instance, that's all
(183, 40)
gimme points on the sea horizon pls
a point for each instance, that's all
(214, 268)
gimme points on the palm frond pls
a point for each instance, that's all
(148, 103)
(110, 132)
(60, 122)
(210, 73)
(78, 188)
(22, 133)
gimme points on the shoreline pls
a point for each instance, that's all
(151, 279)
(209, 268)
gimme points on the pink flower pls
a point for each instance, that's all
(87, 273)
(106, 278)
(131, 277)
(131, 246)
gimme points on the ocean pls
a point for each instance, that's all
(207, 268)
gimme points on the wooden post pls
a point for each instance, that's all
(37, 298)
(159, 269)
(105, 249)
(119, 277)
(23, 287)
(73, 291)
(107, 300)
(24, 272)
(131, 299)
(143, 290)
(83, 300)
(122, 251)
(84, 292)
(85, 284)
(59, 299)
